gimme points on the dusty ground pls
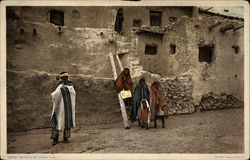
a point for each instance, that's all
(218, 131)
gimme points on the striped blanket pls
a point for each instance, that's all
(63, 112)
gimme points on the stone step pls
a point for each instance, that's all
(134, 63)
(134, 59)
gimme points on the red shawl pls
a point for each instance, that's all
(157, 99)
(123, 82)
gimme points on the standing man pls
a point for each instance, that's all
(63, 112)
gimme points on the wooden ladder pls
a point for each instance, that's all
(122, 105)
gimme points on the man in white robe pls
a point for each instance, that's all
(63, 112)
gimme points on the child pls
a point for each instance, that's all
(158, 104)
(145, 114)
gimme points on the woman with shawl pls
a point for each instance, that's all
(158, 104)
(124, 82)
(141, 91)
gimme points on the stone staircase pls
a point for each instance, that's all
(136, 69)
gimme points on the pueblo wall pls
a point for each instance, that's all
(33, 61)
(223, 76)
(29, 102)
(82, 48)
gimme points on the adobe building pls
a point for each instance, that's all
(197, 55)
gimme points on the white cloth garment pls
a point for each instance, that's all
(58, 106)
(149, 111)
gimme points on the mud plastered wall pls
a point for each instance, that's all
(143, 14)
(29, 101)
(34, 60)
(72, 50)
(179, 61)
(150, 62)
(88, 16)
(224, 75)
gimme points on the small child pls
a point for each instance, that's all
(145, 114)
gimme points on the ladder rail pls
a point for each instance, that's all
(122, 105)
(119, 62)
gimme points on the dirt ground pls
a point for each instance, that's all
(220, 131)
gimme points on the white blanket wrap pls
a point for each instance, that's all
(58, 106)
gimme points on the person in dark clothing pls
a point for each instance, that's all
(63, 112)
(141, 91)
(119, 20)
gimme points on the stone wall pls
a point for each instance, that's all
(212, 101)
(178, 92)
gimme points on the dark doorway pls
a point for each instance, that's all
(206, 54)
(236, 49)
(57, 17)
(155, 18)
(151, 49)
(119, 20)
(137, 23)
(172, 48)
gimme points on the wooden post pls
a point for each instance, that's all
(122, 105)
(195, 12)
(235, 29)
(112, 62)
(226, 28)
(208, 8)
(214, 25)
(119, 62)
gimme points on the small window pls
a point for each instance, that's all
(10, 14)
(172, 48)
(57, 17)
(235, 76)
(75, 14)
(34, 31)
(206, 53)
(137, 23)
(21, 31)
(236, 49)
(155, 18)
(172, 19)
(151, 49)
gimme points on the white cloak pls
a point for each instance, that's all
(58, 106)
